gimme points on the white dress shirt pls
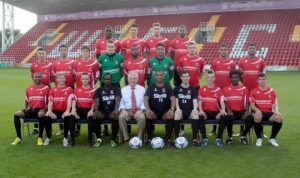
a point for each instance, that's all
(139, 92)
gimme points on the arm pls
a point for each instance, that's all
(173, 103)
(177, 105)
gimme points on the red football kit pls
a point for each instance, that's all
(37, 96)
(45, 69)
(60, 96)
(126, 46)
(100, 46)
(178, 47)
(91, 67)
(263, 99)
(84, 97)
(236, 97)
(66, 67)
(210, 98)
(139, 65)
(151, 46)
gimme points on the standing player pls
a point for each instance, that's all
(211, 107)
(161, 63)
(186, 106)
(82, 107)
(107, 101)
(111, 62)
(151, 43)
(44, 67)
(100, 46)
(35, 105)
(133, 40)
(86, 65)
(222, 66)
(136, 64)
(193, 64)
(160, 104)
(178, 49)
(236, 99)
(263, 103)
(59, 107)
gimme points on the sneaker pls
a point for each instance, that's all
(65, 142)
(35, 131)
(204, 142)
(168, 143)
(258, 142)
(98, 142)
(229, 141)
(196, 143)
(181, 133)
(72, 143)
(39, 141)
(47, 141)
(60, 132)
(113, 144)
(218, 142)
(16, 141)
(213, 133)
(273, 142)
(244, 140)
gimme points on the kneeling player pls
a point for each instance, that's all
(160, 104)
(263, 103)
(236, 100)
(186, 106)
(210, 99)
(59, 106)
(82, 107)
(107, 101)
(35, 105)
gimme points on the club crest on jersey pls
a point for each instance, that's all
(218, 62)
(112, 92)
(151, 41)
(177, 41)
(155, 89)
(164, 90)
(129, 62)
(154, 63)
(103, 92)
(166, 65)
(58, 63)
(180, 90)
(105, 60)
(189, 92)
(257, 66)
(117, 62)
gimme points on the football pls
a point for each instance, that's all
(135, 143)
(157, 143)
(181, 142)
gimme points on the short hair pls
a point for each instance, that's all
(133, 73)
(41, 49)
(107, 74)
(110, 41)
(160, 44)
(159, 70)
(156, 24)
(252, 44)
(60, 74)
(37, 73)
(85, 47)
(181, 26)
(184, 72)
(109, 28)
(210, 72)
(134, 25)
(63, 46)
(191, 43)
(235, 72)
(84, 73)
(223, 45)
(262, 75)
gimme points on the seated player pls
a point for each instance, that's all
(82, 107)
(160, 104)
(236, 99)
(132, 106)
(211, 107)
(59, 107)
(263, 103)
(106, 105)
(35, 105)
(186, 105)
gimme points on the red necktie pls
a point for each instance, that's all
(133, 101)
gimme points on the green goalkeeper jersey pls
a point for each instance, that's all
(165, 64)
(112, 64)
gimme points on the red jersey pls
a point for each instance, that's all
(178, 47)
(60, 96)
(91, 67)
(100, 46)
(263, 99)
(84, 97)
(210, 98)
(139, 65)
(194, 66)
(151, 46)
(37, 96)
(126, 46)
(66, 67)
(45, 69)
(251, 68)
(222, 67)
(236, 97)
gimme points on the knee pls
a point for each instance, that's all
(178, 115)
(194, 116)
(278, 118)
(257, 120)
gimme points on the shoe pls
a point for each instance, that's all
(212, 133)
(244, 140)
(204, 142)
(273, 142)
(47, 141)
(77, 132)
(113, 144)
(39, 141)
(258, 142)
(72, 143)
(16, 141)
(35, 131)
(65, 142)
(181, 133)
(218, 142)
(168, 143)
(60, 132)
(229, 141)
(196, 143)
(98, 142)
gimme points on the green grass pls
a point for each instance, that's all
(29, 160)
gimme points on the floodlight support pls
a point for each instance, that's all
(7, 26)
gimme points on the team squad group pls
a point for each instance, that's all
(232, 91)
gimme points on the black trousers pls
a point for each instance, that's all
(211, 115)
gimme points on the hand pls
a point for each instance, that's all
(195, 112)
(246, 114)
(114, 115)
(223, 113)
(65, 114)
(229, 112)
(149, 114)
(258, 114)
(90, 113)
(201, 113)
(97, 115)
